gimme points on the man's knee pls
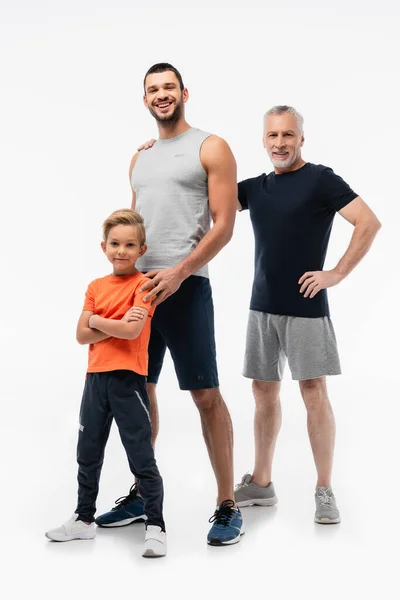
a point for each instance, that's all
(206, 399)
(314, 392)
(266, 392)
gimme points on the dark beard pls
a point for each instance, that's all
(172, 119)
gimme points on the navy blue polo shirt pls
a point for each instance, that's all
(292, 216)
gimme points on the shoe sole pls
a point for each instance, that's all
(326, 521)
(229, 543)
(124, 522)
(149, 553)
(70, 539)
(258, 502)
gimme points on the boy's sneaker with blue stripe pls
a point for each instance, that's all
(127, 510)
(227, 525)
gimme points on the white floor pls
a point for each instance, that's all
(282, 553)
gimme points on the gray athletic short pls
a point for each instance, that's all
(308, 344)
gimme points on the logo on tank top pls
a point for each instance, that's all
(178, 155)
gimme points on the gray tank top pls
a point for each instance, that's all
(172, 197)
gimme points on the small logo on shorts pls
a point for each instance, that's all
(81, 427)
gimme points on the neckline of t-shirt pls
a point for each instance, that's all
(176, 137)
(291, 172)
(124, 277)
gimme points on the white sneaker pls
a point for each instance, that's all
(72, 530)
(155, 542)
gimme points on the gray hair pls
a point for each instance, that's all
(281, 109)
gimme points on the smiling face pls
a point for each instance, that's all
(283, 140)
(122, 248)
(164, 97)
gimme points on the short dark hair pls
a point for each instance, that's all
(161, 68)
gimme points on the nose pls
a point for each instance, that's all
(279, 141)
(162, 95)
(121, 251)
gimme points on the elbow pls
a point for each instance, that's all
(226, 235)
(133, 336)
(131, 333)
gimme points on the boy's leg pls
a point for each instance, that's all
(131, 410)
(94, 428)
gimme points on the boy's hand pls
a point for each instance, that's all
(134, 314)
(92, 322)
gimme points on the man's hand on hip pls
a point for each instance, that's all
(313, 282)
(163, 283)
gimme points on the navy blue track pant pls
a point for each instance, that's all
(120, 395)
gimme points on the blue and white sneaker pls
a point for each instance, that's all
(227, 525)
(128, 509)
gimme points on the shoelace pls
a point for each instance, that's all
(243, 483)
(224, 513)
(323, 497)
(124, 500)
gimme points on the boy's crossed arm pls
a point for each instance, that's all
(92, 328)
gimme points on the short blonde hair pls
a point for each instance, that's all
(125, 216)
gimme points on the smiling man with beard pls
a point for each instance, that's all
(292, 211)
(187, 179)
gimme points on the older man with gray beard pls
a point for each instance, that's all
(292, 211)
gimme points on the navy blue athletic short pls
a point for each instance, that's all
(184, 323)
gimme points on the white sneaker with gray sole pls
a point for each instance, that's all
(248, 493)
(326, 510)
(72, 530)
(155, 542)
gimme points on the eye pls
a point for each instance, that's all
(114, 244)
(131, 245)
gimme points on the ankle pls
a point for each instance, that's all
(323, 483)
(261, 480)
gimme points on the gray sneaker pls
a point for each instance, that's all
(247, 493)
(327, 512)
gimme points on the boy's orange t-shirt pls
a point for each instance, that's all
(111, 297)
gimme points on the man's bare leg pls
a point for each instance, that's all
(218, 435)
(321, 426)
(267, 423)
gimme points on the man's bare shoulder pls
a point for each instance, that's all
(214, 150)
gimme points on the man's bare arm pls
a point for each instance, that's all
(220, 165)
(133, 162)
(366, 226)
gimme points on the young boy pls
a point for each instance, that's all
(116, 383)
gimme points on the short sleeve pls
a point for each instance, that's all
(89, 298)
(138, 298)
(243, 188)
(335, 193)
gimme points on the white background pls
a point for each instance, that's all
(71, 118)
